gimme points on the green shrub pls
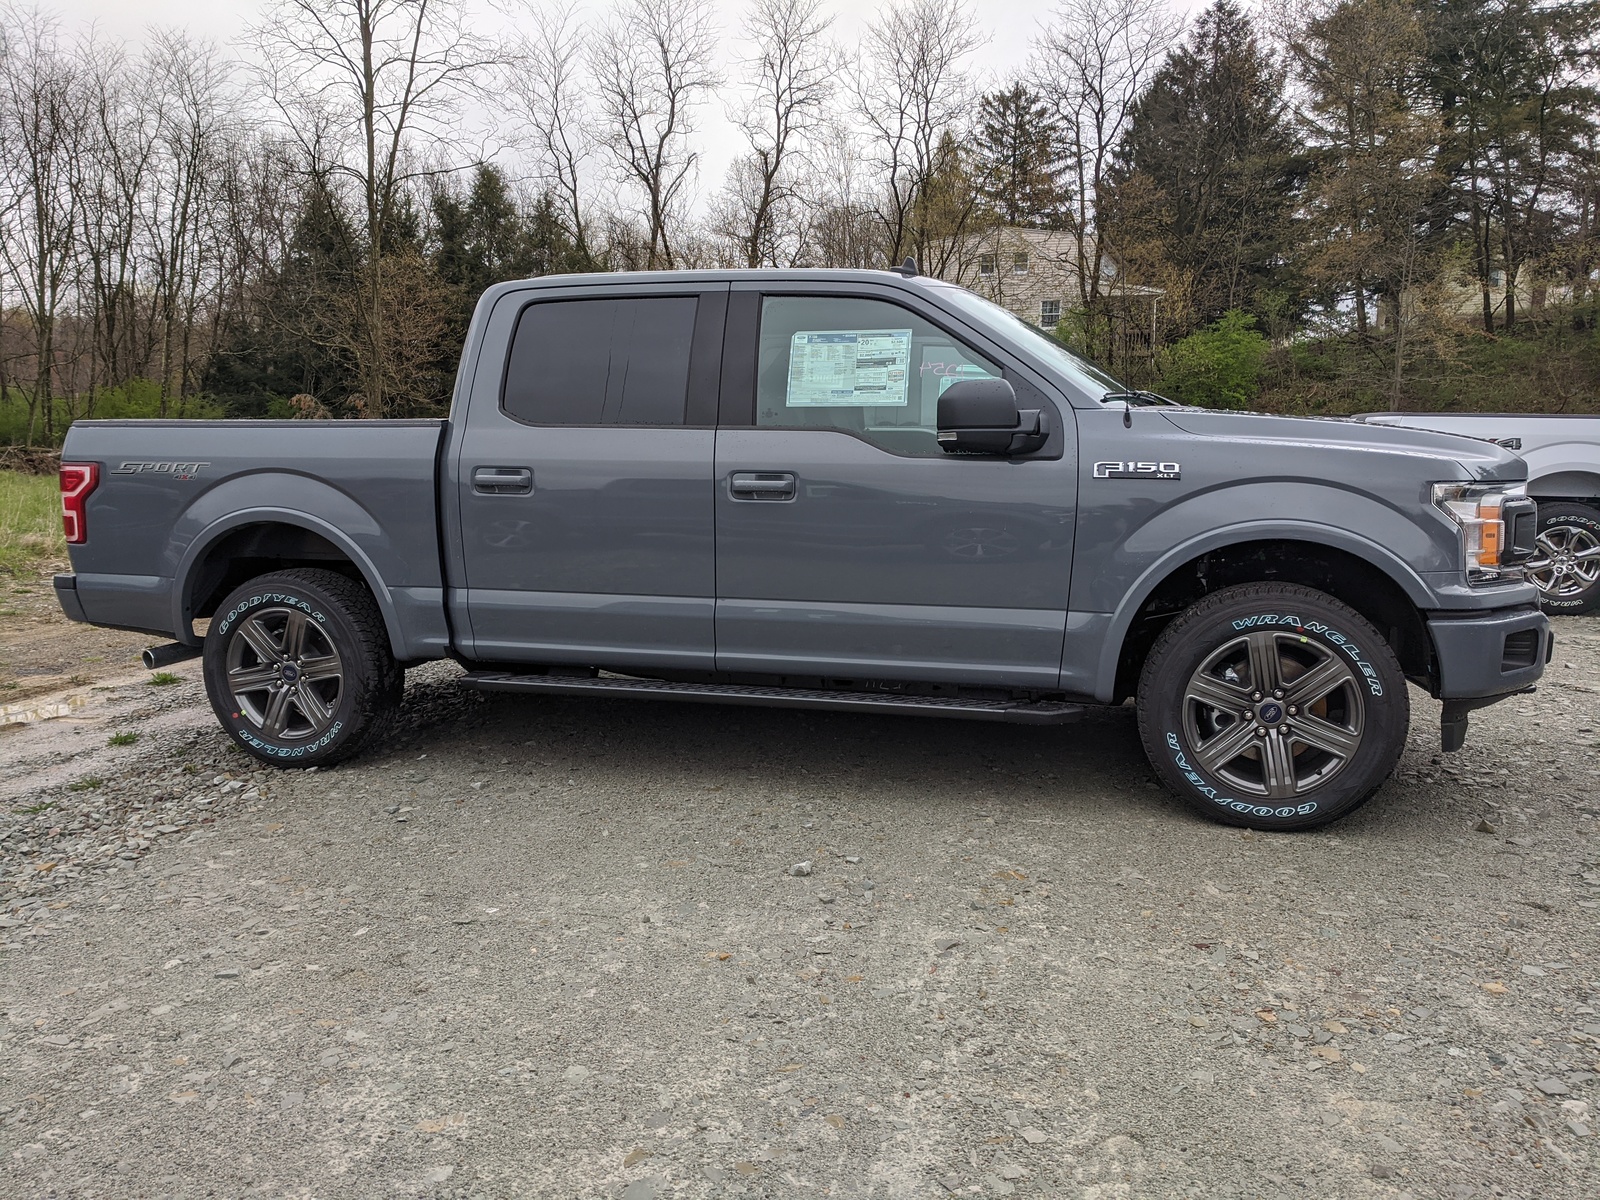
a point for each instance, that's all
(1219, 367)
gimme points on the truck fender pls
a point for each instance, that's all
(201, 543)
(1310, 532)
(1565, 471)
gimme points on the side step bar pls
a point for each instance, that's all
(1036, 712)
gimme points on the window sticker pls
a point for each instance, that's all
(844, 367)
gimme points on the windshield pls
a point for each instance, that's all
(1079, 370)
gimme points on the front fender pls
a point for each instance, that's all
(257, 499)
(1563, 470)
(1312, 532)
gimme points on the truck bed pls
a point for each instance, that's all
(171, 493)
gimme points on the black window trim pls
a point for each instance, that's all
(703, 397)
(742, 348)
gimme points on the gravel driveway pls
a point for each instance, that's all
(540, 947)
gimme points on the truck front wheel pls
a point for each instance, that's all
(1272, 706)
(1566, 566)
(298, 667)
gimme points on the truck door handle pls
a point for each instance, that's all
(502, 481)
(761, 485)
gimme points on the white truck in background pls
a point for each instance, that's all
(1563, 456)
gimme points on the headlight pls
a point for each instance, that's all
(1481, 509)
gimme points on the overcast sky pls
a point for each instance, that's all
(1008, 24)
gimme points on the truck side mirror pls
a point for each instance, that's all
(980, 416)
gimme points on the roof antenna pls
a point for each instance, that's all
(907, 268)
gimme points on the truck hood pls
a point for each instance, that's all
(1457, 457)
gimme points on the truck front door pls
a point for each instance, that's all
(583, 478)
(849, 545)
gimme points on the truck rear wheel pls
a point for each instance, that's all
(1272, 706)
(1566, 566)
(298, 667)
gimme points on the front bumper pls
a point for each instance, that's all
(1483, 658)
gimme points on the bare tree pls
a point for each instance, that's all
(44, 119)
(546, 79)
(911, 88)
(112, 180)
(791, 79)
(1093, 62)
(844, 230)
(195, 128)
(368, 80)
(652, 65)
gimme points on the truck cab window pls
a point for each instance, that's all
(866, 367)
(601, 362)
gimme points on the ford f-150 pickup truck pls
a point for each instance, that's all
(1563, 457)
(853, 490)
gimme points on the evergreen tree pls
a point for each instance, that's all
(1207, 173)
(1020, 159)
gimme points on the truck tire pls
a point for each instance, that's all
(1272, 706)
(298, 667)
(1568, 584)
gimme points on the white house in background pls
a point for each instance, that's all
(1034, 274)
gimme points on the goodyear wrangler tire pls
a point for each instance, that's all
(298, 667)
(1566, 565)
(1272, 706)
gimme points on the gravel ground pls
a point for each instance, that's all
(535, 947)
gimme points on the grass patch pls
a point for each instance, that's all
(126, 738)
(35, 809)
(30, 522)
(165, 679)
(85, 785)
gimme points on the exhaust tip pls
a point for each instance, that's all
(156, 657)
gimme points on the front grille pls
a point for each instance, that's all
(1521, 650)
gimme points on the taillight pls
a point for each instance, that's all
(77, 481)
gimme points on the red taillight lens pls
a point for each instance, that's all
(77, 481)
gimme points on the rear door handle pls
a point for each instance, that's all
(761, 485)
(502, 481)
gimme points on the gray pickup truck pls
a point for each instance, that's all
(1563, 457)
(853, 490)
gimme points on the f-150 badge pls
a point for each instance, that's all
(1138, 470)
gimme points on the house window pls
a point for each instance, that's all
(1497, 278)
(1019, 263)
(985, 265)
(1049, 314)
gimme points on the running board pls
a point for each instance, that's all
(1034, 712)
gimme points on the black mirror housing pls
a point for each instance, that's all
(980, 416)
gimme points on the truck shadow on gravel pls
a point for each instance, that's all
(1093, 768)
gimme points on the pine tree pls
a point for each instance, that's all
(1208, 170)
(1020, 159)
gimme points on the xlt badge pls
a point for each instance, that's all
(1138, 470)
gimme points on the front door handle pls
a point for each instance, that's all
(761, 485)
(502, 481)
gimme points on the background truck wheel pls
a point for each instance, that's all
(1566, 566)
(298, 667)
(1272, 706)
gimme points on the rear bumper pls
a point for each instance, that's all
(1490, 654)
(67, 597)
(141, 603)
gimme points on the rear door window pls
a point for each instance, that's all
(622, 361)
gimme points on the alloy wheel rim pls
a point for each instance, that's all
(1274, 714)
(1568, 563)
(284, 674)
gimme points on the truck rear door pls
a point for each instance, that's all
(584, 477)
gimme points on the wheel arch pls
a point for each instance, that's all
(251, 542)
(1571, 484)
(1381, 588)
